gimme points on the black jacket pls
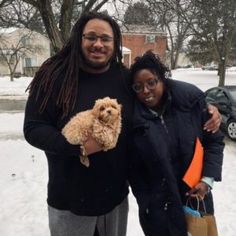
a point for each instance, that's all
(72, 186)
(163, 147)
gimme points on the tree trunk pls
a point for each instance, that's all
(172, 56)
(221, 72)
(65, 20)
(172, 60)
(53, 32)
(11, 77)
(176, 59)
(59, 35)
(179, 45)
(11, 74)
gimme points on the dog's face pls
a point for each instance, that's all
(107, 110)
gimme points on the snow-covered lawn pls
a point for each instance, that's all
(23, 181)
(15, 88)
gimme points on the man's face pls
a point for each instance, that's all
(97, 45)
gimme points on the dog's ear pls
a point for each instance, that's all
(118, 107)
(115, 100)
(97, 102)
(96, 107)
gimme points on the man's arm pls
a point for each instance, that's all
(213, 124)
(41, 132)
(213, 158)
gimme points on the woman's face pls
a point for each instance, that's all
(149, 88)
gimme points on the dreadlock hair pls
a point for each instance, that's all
(150, 61)
(67, 63)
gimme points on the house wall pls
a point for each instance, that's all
(126, 60)
(138, 45)
(43, 53)
(183, 60)
(3, 68)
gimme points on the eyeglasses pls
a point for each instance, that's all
(92, 38)
(150, 84)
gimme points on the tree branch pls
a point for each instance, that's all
(100, 5)
(34, 3)
(89, 6)
(3, 3)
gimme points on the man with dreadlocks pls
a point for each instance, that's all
(83, 201)
(89, 67)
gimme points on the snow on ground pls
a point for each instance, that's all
(23, 181)
(15, 88)
(203, 79)
(11, 125)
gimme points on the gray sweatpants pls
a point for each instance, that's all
(65, 223)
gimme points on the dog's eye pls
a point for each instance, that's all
(113, 106)
(102, 108)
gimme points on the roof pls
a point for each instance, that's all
(7, 30)
(20, 31)
(141, 29)
(124, 49)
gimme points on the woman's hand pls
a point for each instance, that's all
(213, 124)
(200, 190)
(91, 146)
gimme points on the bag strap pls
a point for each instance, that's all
(199, 201)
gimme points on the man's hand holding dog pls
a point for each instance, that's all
(213, 124)
(91, 146)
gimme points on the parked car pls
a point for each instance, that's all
(225, 99)
(210, 67)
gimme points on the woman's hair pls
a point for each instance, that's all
(67, 63)
(152, 62)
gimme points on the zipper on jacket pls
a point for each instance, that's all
(163, 123)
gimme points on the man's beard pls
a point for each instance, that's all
(95, 65)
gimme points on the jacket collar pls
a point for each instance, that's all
(142, 113)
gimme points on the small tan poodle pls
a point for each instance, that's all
(102, 122)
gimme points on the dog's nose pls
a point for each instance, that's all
(109, 111)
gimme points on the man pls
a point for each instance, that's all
(80, 199)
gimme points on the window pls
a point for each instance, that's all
(150, 38)
(211, 95)
(30, 62)
(222, 98)
(25, 40)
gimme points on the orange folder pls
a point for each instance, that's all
(194, 171)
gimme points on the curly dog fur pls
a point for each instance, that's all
(102, 122)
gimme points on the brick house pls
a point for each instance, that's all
(140, 38)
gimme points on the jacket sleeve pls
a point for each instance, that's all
(40, 129)
(137, 173)
(138, 179)
(213, 150)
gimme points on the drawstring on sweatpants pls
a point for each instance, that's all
(105, 226)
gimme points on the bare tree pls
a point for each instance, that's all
(169, 18)
(54, 18)
(215, 28)
(139, 13)
(12, 51)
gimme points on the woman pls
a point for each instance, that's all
(168, 117)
